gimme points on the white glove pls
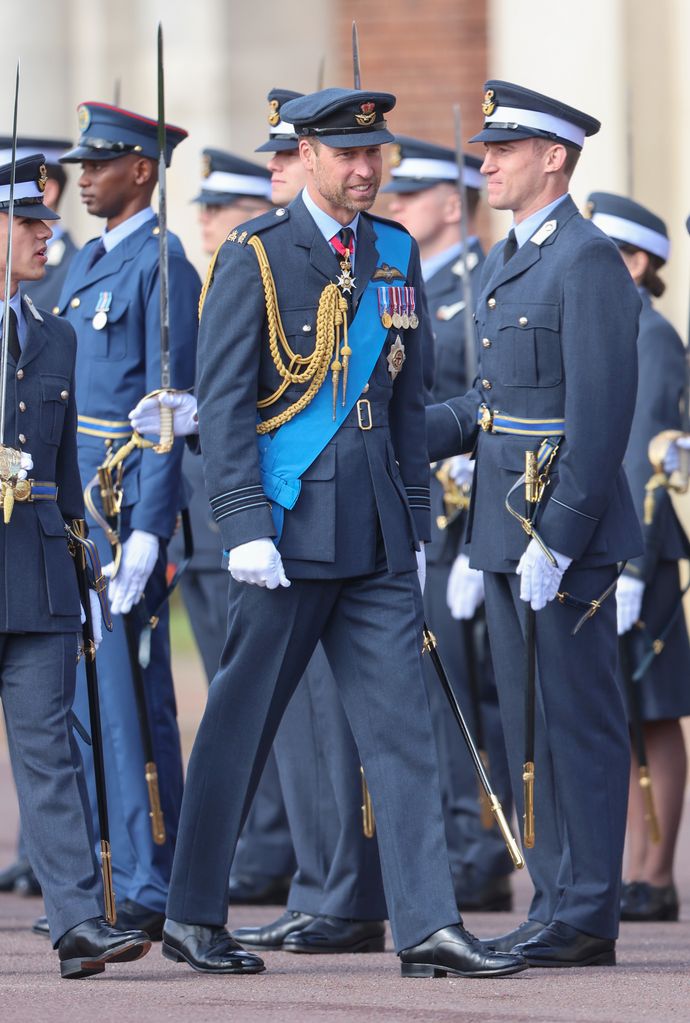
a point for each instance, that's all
(421, 565)
(139, 556)
(258, 562)
(95, 606)
(465, 590)
(461, 469)
(629, 593)
(539, 579)
(145, 417)
(26, 463)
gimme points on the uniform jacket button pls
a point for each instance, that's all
(365, 388)
(523, 321)
(22, 438)
(486, 343)
(22, 406)
(64, 395)
(20, 374)
(491, 303)
(486, 384)
(75, 303)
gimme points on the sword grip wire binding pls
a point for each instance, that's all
(167, 437)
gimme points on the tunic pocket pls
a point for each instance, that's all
(54, 399)
(529, 345)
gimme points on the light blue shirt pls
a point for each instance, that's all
(433, 264)
(525, 230)
(17, 305)
(327, 225)
(127, 227)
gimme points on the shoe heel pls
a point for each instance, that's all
(172, 954)
(605, 959)
(374, 945)
(72, 969)
(420, 970)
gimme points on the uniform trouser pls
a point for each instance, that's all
(582, 748)
(141, 869)
(338, 870)
(265, 845)
(37, 678)
(470, 844)
(371, 631)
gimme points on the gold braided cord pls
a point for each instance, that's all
(329, 318)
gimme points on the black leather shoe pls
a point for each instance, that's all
(561, 945)
(507, 942)
(648, 902)
(85, 949)
(454, 950)
(331, 935)
(207, 949)
(40, 926)
(479, 893)
(19, 878)
(272, 936)
(132, 916)
(258, 890)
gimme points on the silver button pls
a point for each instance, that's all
(491, 303)
(486, 384)
(56, 309)
(22, 438)
(20, 374)
(22, 406)
(64, 395)
(365, 388)
(75, 303)
(280, 212)
(306, 328)
(523, 321)
(486, 343)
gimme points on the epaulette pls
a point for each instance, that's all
(257, 225)
(386, 220)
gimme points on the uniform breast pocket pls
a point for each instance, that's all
(529, 345)
(54, 399)
(299, 326)
(105, 333)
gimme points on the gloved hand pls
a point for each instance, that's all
(465, 589)
(139, 555)
(629, 593)
(258, 562)
(145, 417)
(95, 606)
(421, 565)
(539, 579)
(461, 469)
(27, 463)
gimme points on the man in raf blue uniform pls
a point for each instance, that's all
(425, 199)
(111, 297)
(556, 318)
(317, 471)
(44, 292)
(40, 609)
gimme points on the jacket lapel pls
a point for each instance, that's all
(112, 261)
(306, 234)
(366, 257)
(36, 337)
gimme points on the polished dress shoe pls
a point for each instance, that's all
(258, 890)
(454, 950)
(642, 902)
(331, 935)
(40, 926)
(85, 949)
(272, 936)
(480, 893)
(207, 949)
(132, 916)
(561, 945)
(19, 878)
(507, 942)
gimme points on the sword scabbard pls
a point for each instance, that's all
(486, 811)
(368, 822)
(155, 812)
(508, 837)
(108, 890)
(528, 793)
(651, 819)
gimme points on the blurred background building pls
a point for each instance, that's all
(625, 61)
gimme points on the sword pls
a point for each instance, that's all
(355, 57)
(10, 458)
(637, 730)
(470, 349)
(167, 417)
(320, 74)
(430, 647)
(80, 547)
(531, 499)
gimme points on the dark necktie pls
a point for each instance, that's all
(344, 242)
(13, 337)
(98, 251)
(509, 246)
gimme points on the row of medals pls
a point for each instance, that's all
(397, 308)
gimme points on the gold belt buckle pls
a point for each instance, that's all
(22, 490)
(362, 405)
(486, 420)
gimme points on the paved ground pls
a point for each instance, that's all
(651, 984)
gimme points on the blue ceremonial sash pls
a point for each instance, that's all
(292, 449)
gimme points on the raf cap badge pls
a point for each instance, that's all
(396, 357)
(368, 115)
(42, 178)
(273, 115)
(83, 117)
(205, 165)
(489, 103)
